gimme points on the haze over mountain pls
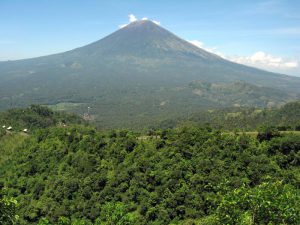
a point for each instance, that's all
(140, 72)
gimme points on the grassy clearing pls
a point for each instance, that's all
(65, 106)
(255, 133)
(290, 132)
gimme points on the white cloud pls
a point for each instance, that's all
(265, 61)
(259, 59)
(156, 22)
(201, 45)
(122, 25)
(293, 64)
(133, 18)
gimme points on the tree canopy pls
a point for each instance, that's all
(77, 174)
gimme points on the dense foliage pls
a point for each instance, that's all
(191, 174)
(267, 203)
(7, 208)
(35, 117)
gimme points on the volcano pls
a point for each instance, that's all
(140, 73)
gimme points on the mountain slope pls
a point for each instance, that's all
(139, 71)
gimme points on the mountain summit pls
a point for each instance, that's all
(139, 71)
(144, 39)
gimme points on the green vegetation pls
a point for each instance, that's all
(284, 118)
(35, 117)
(154, 76)
(267, 203)
(239, 94)
(77, 174)
(7, 208)
(210, 152)
(65, 106)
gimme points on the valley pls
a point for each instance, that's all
(190, 174)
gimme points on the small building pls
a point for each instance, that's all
(25, 130)
(9, 128)
(3, 126)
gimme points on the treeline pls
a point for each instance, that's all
(185, 175)
(35, 117)
(284, 118)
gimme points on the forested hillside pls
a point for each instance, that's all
(35, 117)
(286, 117)
(76, 174)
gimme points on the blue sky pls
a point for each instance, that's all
(262, 33)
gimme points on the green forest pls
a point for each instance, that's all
(284, 118)
(198, 171)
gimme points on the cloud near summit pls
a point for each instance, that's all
(263, 59)
(132, 18)
(259, 59)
